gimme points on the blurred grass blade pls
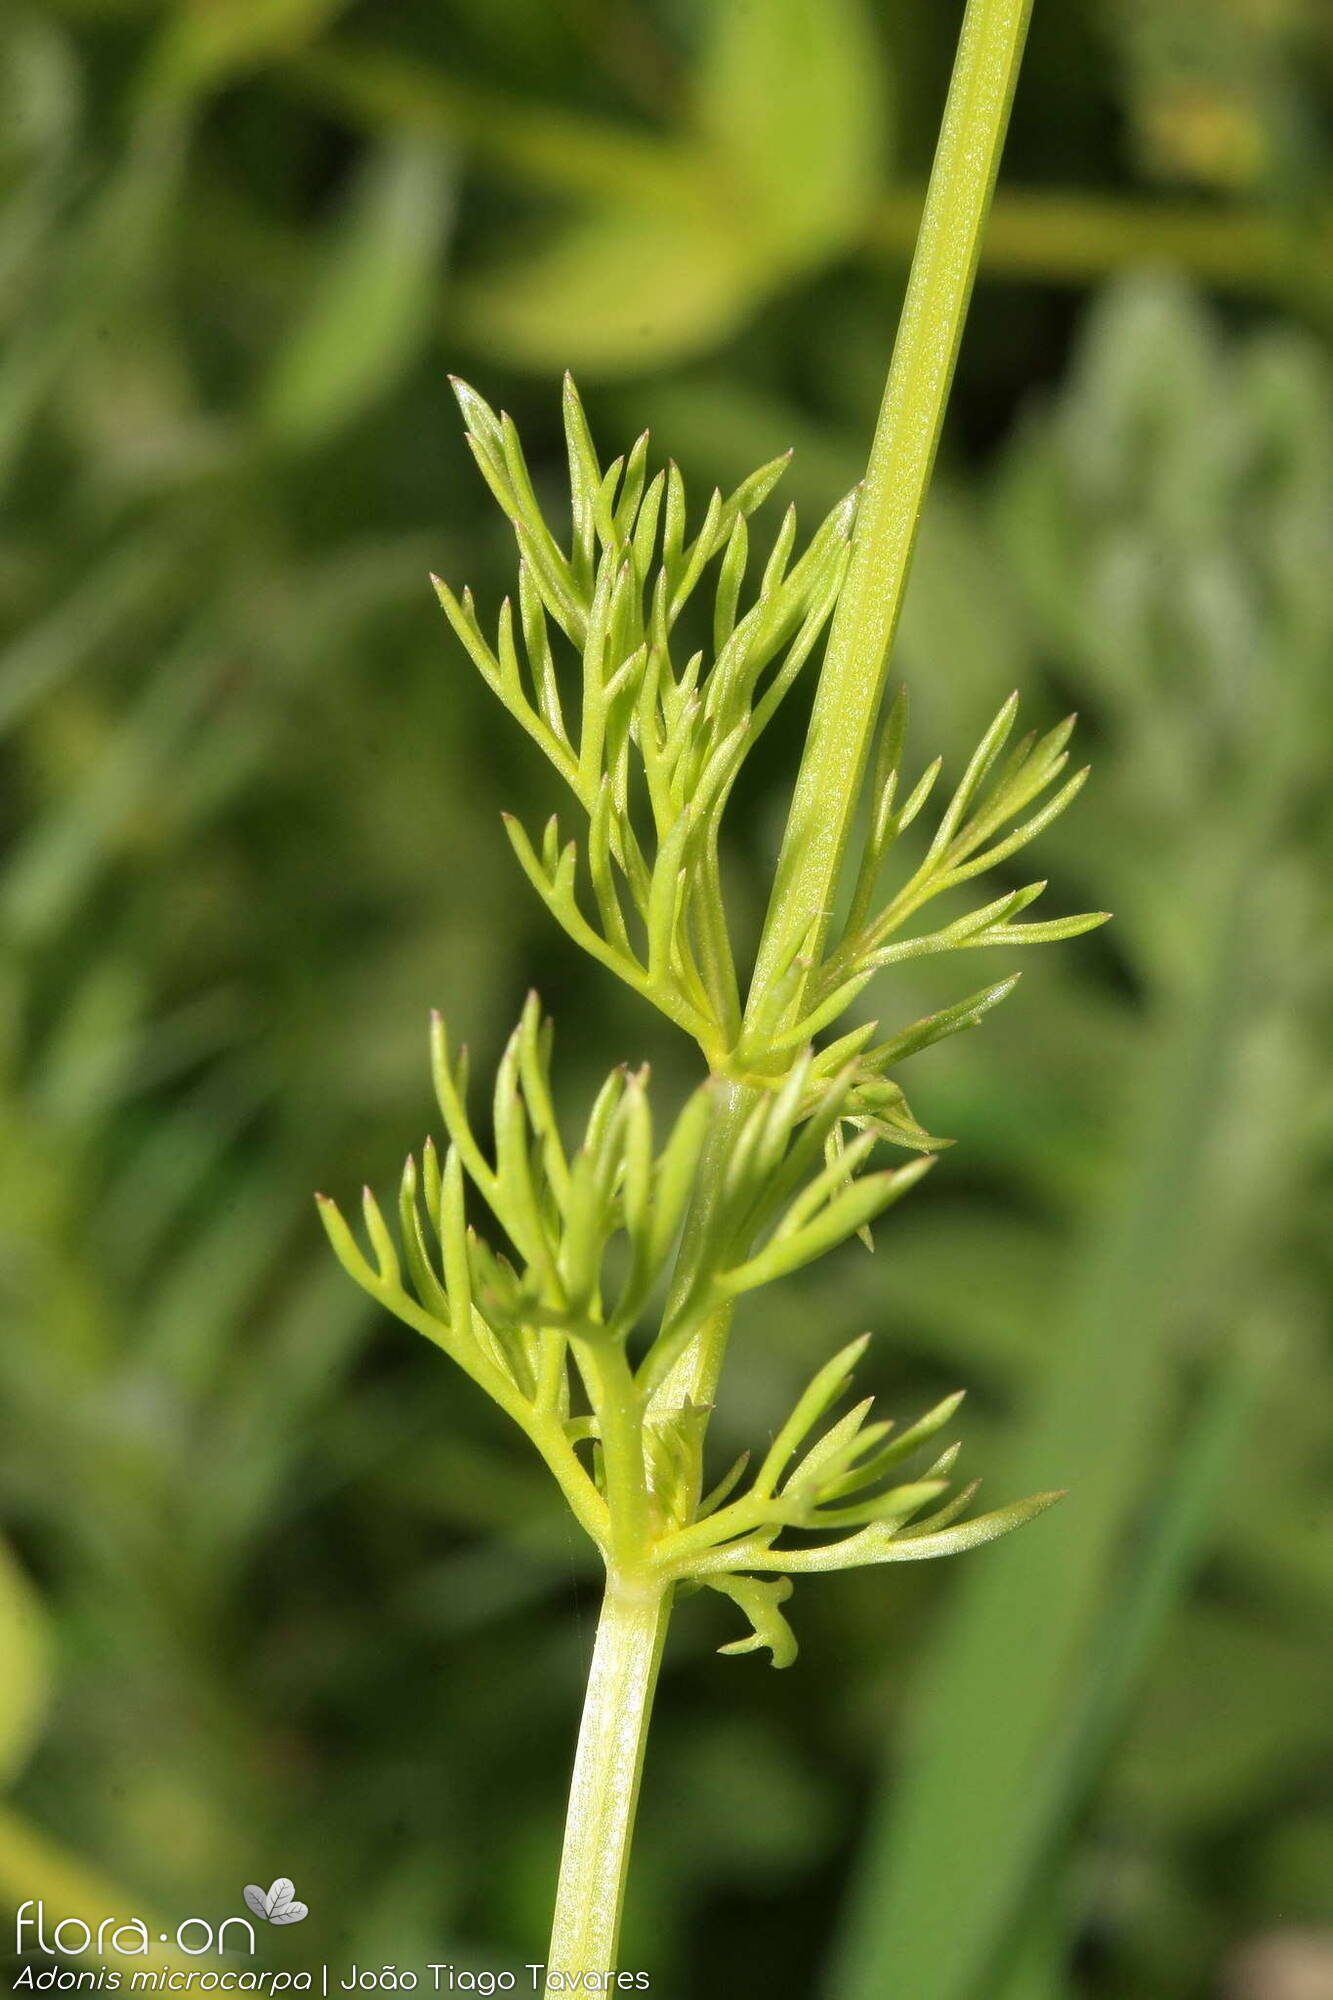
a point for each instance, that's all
(1176, 1538)
(101, 262)
(968, 1803)
(210, 1287)
(25, 1666)
(114, 595)
(264, 1414)
(207, 42)
(560, 152)
(372, 305)
(54, 864)
(1133, 1630)
(1040, 1967)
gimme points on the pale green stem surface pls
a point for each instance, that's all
(607, 1765)
(633, 1621)
(851, 682)
(694, 1377)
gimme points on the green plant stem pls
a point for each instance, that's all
(634, 1617)
(693, 1378)
(604, 1791)
(851, 683)
(619, 1416)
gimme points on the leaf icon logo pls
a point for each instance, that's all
(276, 1904)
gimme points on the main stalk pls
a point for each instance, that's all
(604, 1791)
(632, 1627)
(851, 682)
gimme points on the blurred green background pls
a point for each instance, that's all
(281, 1595)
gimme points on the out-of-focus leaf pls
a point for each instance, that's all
(161, 1173)
(1237, 1710)
(621, 291)
(1041, 1961)
(208, 41)
(372, 304)
(25, 1666)
(789, 95)
(789, 132)
(1132, 1633)
(40, 102)
(1212, 90)
(31, 1865)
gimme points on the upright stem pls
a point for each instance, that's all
(604, 1791)
(634, 1616)
(852, 680)
(693, 1378)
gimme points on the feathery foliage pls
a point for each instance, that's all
(575, 1316)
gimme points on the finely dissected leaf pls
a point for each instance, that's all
(932, 1028)
(726, 1486)
(827, 1459)
(980, 807)
(650, 748)
(759, 1599)
(913, 1546)
(888, 1542)
(824, 1390)
(904, 1444)
(842, 1216)
(769, 1166)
